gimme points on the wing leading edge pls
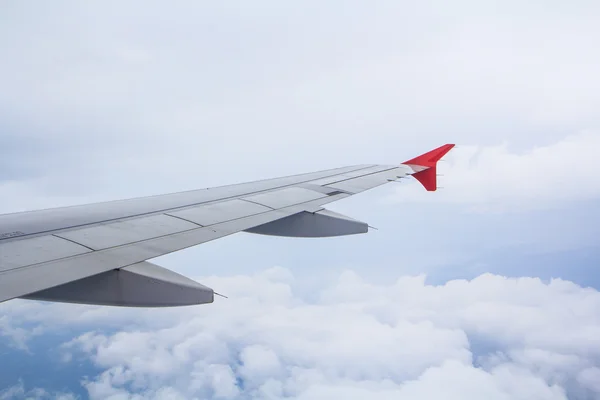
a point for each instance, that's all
(97, 253)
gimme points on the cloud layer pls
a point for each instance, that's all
(113, 100)
(490, 337)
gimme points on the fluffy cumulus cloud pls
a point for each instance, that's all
(490, 337)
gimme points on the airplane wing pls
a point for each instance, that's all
(98, 253)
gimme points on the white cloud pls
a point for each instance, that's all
(450, 380)
(498, 178)
(489, 337)
(18, 391)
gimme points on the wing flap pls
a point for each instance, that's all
(22, 253)
(139, 285)
(215, 213)
(119, 233)
(285, 197)
(323, 223)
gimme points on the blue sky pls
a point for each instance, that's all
(492, 280)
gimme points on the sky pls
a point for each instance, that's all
(487, 288)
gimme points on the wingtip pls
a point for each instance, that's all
(425, 166)
(431, 158)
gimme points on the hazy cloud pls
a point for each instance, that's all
(18, 391)
(496, 178)
(195, 95)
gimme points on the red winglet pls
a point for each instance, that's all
(426, 166)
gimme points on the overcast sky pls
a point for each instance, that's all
(453, 296)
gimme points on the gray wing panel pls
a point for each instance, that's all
(285, 197)
(353, 174)
(323, 223)
(52, 220)
(18, 282)
(37, 250)
(33, 264)
(139, 285)
(211, 214)
(368, 181)
(119, 233)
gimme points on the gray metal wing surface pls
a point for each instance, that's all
(97, 253)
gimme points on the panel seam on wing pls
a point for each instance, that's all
(360, 176)
(163, 211)
(257, 203)
(184, 219)
(211, 227)
(72, 241)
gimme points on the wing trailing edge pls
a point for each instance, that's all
(425, 166)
